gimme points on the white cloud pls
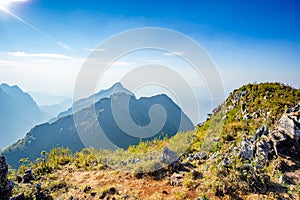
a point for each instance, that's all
(91, 49)
(8, 63)
(39, 55)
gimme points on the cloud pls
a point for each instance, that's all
(174, 53)
(39, 55)
(90, 49)
(8, 63)
(66, 47)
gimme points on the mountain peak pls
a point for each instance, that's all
(16, 92)
(10, 89)
(117, 85)
(115, 88)
(86, 102)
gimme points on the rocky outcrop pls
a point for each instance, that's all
(289, 123)
(246, 149)
(6, 186)
(198, 156)
(283, 140)
(28, 176)
(168, 156)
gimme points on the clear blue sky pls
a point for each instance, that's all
(248, 40)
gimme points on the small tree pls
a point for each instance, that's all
(44, 156)
(24, 162)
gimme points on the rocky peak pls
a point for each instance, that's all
(6, 186)
(3, 168)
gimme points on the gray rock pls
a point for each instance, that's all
(290, 124)
(294, 109)
(236, 98)
(277, 137)
(191, 157)
(198, 156)
(262, 150)
(3, 168)
(28, 176)
(260, 132)
(6, 186)
(201, 155)
(136, 161)
(168, 156)
(175, 179)
(246, 151)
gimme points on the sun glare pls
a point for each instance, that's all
(4, 4)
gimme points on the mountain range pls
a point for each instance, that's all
(247, 149)
(124, 121)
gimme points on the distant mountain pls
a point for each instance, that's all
(18, 114)
(86, 102)
(52, 105)
(64, 132)
(44, 99)
(54, 109)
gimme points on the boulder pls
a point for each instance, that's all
(6, 186)
(168, 156)
(246, 151)
(277, 137)
(3, 168)
(28, 176)
(263, 150)
(290, 124)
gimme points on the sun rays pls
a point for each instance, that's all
(4, 4)
(4, 7)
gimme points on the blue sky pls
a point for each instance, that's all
(248, 41)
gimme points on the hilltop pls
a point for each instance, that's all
(247, 149)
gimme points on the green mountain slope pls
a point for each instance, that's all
(244, 111)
